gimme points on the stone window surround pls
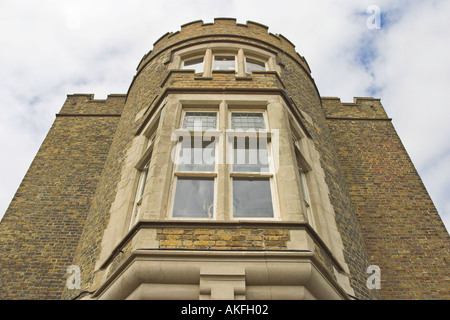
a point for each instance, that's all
(241, 51)
(136, 159)
(224, 125)
(137, 156)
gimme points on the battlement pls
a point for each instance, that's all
(224, 27)
(360, 108)
(86, 104)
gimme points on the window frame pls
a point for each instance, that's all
(194, 174)
(303, 168)
(265, 62)
(225, 54)
(143, 168)
(252, 174)
(190, 58)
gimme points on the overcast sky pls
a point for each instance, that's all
(49, 49)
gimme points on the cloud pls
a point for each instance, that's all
(54, 48)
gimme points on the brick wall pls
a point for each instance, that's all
(403, 232)
(40, 230)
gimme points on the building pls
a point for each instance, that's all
(222, 174)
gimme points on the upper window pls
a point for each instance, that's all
(194, 64)
(242, 61)
(254, 65)
(224, 62)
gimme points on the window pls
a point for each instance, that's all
(139, 195)
(247, 120)
(303, 168)
(143, 167)
(195, 168)
(194, 64)
(200, 120)
(224, 62)
(252, 179)
(194, 198)
(252, 198)
(254, 65)
(250, 154)
(197, 154)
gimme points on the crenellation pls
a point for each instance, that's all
(360, 108)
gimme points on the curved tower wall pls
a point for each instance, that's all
(155, 101)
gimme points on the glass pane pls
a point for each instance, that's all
(254, 65)
(200, 120)
(194, 64)
(224, 63)
(245, 121)
(194, 198)
(142, 181)
(250, 155)
(303, 183)
(252, 198)
(197, 155)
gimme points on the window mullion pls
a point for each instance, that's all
(207, 63)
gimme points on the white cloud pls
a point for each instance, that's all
(54, 48)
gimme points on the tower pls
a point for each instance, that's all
(222, 174)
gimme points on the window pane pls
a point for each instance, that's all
(254, 65)
(252, 198)
(303, 185)
(250, 155)
(245, 121)
(224, 63)
(142, 181)
(195, 64)
(194, 198)
(200, 120)
(197, 155)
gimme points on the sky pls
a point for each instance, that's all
(393, 50)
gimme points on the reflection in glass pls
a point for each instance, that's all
(247, 120)
(200, 120)
(194, 64)
(254, 65)
(224, 63)
(194, 198)
(197, 155)
(252, 198)
(250, 155)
